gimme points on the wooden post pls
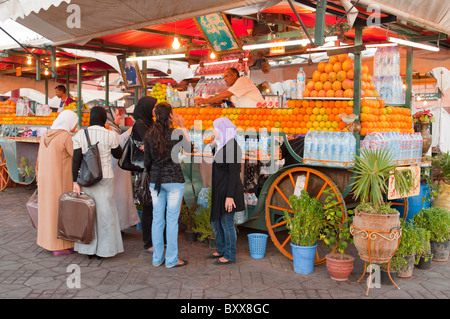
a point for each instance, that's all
(46, 90)
(107, 88)
(144, 77)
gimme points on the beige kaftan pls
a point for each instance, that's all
(54, 178)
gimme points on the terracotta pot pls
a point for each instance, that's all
(426, 136)
(407, 271)
(382, 231)
(339, 266)
(443, 200)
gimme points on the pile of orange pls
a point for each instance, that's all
(85, 119)
(307, 115)
(8, 106)
(335, 79)
(11, 118)
(376, 117)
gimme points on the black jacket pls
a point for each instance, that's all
(226, 179)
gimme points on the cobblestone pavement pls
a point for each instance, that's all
(29, 272)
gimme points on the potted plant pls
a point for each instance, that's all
(304, 229)
(203, 228)
(437, 221)
(404, 258)
(376, 226)
(29, 174)
(441, 164)
(23, 164)
(424, 117)
(336, 235)
(423, 251)
(187, 218)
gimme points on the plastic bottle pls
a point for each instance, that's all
(307, 146)
(321, 145)
(345, 147)
(190, 96)
(314, 145)
(352, 147)
(301, 77)
(294, 91)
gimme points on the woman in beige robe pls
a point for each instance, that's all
(54, 176)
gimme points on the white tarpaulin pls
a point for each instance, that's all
(434, 14)
(13, 9)
(92, 19)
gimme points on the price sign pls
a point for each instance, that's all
(415, 190)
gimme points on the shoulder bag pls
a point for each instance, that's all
(142, 186)
(90, 172)
(132, 157)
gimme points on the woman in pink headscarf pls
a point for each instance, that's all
(227, 192)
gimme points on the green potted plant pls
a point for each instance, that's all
(423, 251)
(374, 220)
(23, 164)
(441, 165)
(202, 221)
(437, 221)
(29, 174)
(187, 218)
(304, 226)
(336, 235)
(404, 258)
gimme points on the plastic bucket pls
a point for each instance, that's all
(257, 245)
(304, 257)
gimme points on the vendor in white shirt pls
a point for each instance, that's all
(242, 91)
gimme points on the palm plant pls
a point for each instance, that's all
(372, 170)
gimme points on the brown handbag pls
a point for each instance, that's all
(76, 218)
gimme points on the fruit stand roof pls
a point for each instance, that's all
(116, 27)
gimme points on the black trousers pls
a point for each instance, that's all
(147, 219)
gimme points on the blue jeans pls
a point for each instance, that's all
(171, 195)
(225, 236)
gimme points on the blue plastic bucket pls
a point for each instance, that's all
(257, 245)
(304, 257)
(139, 225)
(415, 203)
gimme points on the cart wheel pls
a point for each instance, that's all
(315, 183)
(4, 176)
(403, 202)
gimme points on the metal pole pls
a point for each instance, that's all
(408, 79)
(107, 88)
(357, 83)
(79, 93)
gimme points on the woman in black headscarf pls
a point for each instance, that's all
(107, 241)
(143, 116)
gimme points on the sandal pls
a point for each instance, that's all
(212, 256)
(181, 265)
(218, 262)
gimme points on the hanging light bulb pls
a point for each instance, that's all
(425, 102)
(212, 55)
(46, 71)
(419, 98)
(57, 63)
(29, 60)
(176, 43)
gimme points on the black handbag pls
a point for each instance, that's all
(142, 186)
(132, 157)
(90, 172)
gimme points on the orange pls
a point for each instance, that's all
(304, 103)
(328, 68)
(337, 67)
(342, 57)
(327, 85)
(349, 110)
(316, 76)
(342, 125)
(323, 78)
(333, 59)
(313, 93)
(332, 76)
(321, 66)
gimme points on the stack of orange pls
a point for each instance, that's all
(85, 119)
(8, 106)
(376, 117)
(335, 79)
(11, 118)
(305, 116)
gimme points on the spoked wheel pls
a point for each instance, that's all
(401, 204)
(315, 183)
(4, 175)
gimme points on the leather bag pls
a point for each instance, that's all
(90, 172)
(132, 157)
(76, 218)
(142, 186)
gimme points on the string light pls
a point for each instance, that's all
(29, 60)
(212, 55)
(46, 71)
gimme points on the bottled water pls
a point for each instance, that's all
(263, 143)
(169, 93)
(322, 142)
(190, 96)
(294, 91)
(300, 83)
(352, 147)
(314, 145)
(307, 145)
(345, 147)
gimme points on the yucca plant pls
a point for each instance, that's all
(372, 170)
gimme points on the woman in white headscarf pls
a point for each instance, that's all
(54, 176)
(123, 188)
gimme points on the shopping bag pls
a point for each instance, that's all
(32, 207)
(76, 218)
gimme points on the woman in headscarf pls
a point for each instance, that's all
(107, 240)
(123, 189)
(53, 171)
(227, 192)
(166, 182)
(143, 116)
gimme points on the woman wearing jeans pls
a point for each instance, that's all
(166, 182)
(227, 195)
